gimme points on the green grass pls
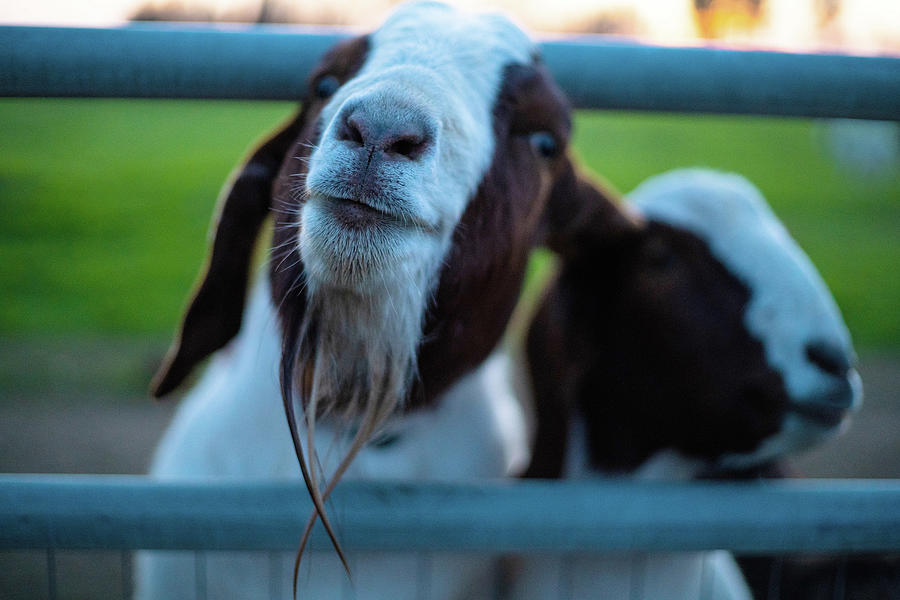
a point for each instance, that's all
(106, 204)
(848, 223)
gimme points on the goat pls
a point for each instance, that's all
(695, 338)
(429, 157)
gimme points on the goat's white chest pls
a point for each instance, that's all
(232, 424)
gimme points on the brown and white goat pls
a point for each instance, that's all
(693, 339)
(429, 157)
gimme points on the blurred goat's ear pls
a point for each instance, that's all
(214, 314)
(583, 213)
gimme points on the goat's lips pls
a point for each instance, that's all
(820, 414)
(353, 214)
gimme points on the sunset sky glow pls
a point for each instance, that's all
(866, 26)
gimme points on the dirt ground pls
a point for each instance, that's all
(116, 435)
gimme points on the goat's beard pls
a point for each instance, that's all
(350, 357)
(357, 353)
(355, 359)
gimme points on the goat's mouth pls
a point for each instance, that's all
(819, 414)
(355, 244)
(355, 214)
(832, 407)
(361, 214)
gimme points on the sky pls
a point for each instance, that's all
(862, 26)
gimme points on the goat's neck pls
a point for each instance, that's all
(665, 464)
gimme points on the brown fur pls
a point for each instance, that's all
(484, 271)
(643, 336)
(213, 316)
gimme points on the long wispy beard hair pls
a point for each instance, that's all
(350, 360)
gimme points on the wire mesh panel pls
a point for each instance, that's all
(88, 574)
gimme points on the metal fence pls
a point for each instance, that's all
(54, 513)
(271, 62)
(130, 512)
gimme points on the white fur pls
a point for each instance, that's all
(477, 430)
(790, 306)
(435, 63)
(368, 289)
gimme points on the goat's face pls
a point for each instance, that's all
(404, 145)
(705, 330)
(789, 309)
(421, 181)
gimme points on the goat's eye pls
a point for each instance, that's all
(544, 144)
(327, 86)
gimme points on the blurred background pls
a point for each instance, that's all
(105, 205)
(105, 208)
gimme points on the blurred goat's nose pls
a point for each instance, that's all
(401, 133)
(829, 358)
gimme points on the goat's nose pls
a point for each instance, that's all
(406, 134)
(829, 358)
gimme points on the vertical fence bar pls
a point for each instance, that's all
(499, 580)
(275, 576)
(840, 580)
(564, 585)
(774, 592)
(200, 575)
(638, 576)
(347, 591)
(125, 562)
(706, 584)
(423, 575)
(51, 573)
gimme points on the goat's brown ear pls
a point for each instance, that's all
(214, 314)
(583, 212)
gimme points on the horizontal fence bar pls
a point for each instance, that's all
(160, 61)
(271, 62)
(127, 512)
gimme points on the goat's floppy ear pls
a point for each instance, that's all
(583, 213)
(214, 314)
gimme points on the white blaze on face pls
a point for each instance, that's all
(790, 306)
(378, 221)
(433, 63)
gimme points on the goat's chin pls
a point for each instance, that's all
(358, 346)
(355, 248)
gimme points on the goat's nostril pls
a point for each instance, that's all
(352, 131)
(409, 145)
(829, 358)
(407, 136)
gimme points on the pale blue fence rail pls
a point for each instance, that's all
(271, 62)
(129, 512)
